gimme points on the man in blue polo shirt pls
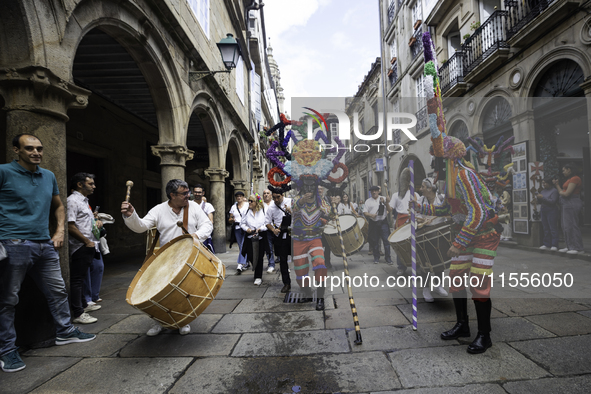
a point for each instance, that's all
(28, 194)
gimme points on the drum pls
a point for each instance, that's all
(364, 225)
(351, 232)
(177, 283)
(432, 244)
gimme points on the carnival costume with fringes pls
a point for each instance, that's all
(306, 168)
(469, 202)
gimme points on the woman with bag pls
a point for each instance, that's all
(571, 205)
(253, 224)
(237, 212)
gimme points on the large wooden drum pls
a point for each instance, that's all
(177, 282)
(351, 232)
(432, 244)
(364, 225)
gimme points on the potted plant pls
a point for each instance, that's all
(466, 36)
(417, 24)
(474, 25)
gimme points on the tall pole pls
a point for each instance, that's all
(384, 105)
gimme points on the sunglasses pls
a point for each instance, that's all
(182, 193)
(250, 200)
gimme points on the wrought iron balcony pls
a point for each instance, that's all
(523, 12)
(486, 40)
(391, 11)
(452, 72)
(422, 119)
(393, 73)
(417, 47)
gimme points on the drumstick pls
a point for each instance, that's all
(358, 341)
(413, 245)
(180, 224)
(129, 185)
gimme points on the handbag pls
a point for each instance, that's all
(104, 246)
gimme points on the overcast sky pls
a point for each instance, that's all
(323, 48)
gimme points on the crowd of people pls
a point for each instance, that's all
(274, 225)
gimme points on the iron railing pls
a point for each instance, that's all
(400, 3)
(452, 71)
(416, 48)
(393, 77)
(488, 38)
(422, 119)
(522, 12)
(391, 11)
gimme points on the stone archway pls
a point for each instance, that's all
(419, 171)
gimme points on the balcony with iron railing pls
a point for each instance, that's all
(416, 43)
(486, 48)
(422, 120)
(526, 20)
(451, 75)
(391, 12)
(393, 73)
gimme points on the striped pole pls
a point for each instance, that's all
(413, 245)
(358, 340)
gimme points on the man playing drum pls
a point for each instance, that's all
(165, 217)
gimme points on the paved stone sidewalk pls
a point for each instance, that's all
(249, 341)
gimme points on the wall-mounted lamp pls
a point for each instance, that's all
(230, 51)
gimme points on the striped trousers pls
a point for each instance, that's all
(306, 254)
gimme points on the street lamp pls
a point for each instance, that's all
(230, 51)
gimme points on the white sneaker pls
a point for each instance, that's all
(554, 248)
(270, 270)
(572, 252)
(258, 281)
(155, 330)
(84, 318)
(427, 295)
(184, 330)
(543, 247)
(91, 308)
(91, 303)
(563, 250)
(441, 291)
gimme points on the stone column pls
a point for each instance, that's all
(37, 102)
(172, 161)
(239, 186)
(217, 180)
(587, 88)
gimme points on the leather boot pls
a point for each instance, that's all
(320, 299)
(482, 340)
(462, 327)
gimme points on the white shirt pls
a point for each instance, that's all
(424, 201)
(80, 213)
(253, 221)
(207, 207)
(371, 206)
(165, 220)
(238, 213)
(345, 209)
(400, 205)
(275, 215)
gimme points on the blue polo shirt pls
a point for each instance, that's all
(25, 202)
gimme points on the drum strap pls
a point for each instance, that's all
(154, 242)
(186, 217)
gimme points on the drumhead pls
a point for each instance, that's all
(361, 222)
(346, 222)
(162, 270)
(401, 234)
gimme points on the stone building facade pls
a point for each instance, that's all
(125, 66)
(507, 68)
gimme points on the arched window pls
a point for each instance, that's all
(460, 131)
(496, 121)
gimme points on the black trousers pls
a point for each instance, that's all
(80, 263)
(248, 252)
(282, 250)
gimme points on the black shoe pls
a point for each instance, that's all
(286, 288)
(480, 344)
(320, 304)
(461, 329)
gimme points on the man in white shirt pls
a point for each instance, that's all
(376, 211)
(277, 219)
(400, 205)
(165, 217)
(199, 198)
(84, 235)
(267, 204)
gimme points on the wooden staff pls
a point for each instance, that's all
(129, 185)
(413, 245)
(358, 341)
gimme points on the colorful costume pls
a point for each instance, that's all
(469, 202)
